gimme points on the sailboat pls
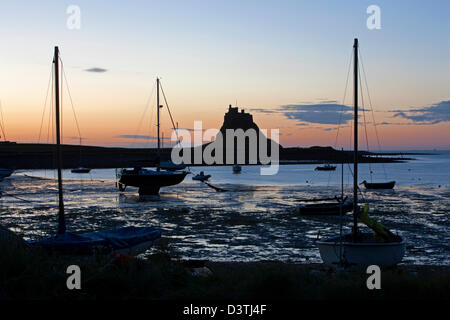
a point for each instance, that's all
(129, 240)
(325, 207)
(359, 249)
(150, 181)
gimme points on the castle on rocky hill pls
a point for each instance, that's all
(234, 119)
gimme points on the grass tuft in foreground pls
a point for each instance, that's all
(33, 274)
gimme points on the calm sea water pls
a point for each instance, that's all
(254, 220)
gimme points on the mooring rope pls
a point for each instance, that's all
(2, 193)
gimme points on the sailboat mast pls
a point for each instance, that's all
(61, 220)
(157, 116)
(355, 139)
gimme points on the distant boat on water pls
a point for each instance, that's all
(81, 170)
(201, 177)
(149, 181)
(237, 168)
(326, 167)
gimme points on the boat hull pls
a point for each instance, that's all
(360, 254)
(129, 240)
(149, 184)
(332, 168)
(379, 185)
(324, 209)
(81, 170)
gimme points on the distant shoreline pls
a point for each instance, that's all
(42, 156)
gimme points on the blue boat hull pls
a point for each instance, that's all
(127, 240)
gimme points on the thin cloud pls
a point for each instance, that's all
(96, 70)
(324, 113)
(262, 110)
(139, 137)
(436, 113)
(188, 129)
(328, 101)
(76, 138)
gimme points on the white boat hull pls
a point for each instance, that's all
(360, 254)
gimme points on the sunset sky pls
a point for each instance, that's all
(286, 62)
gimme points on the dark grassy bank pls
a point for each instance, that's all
(26, 274)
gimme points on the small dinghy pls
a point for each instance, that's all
(81, 170)
(201, 177)
(327, 167)
(237, 168)
(378, 185)
(128, 240)
(324, 208)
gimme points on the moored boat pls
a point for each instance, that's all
(364, 251)
(201, 177)
(237, 168)
(361, 249)
(324, 208)
(130, 240)
(326, 167)
(81, 170)
(378, 185)
(149, 181)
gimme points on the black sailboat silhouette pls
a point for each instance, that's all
(150, 181)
